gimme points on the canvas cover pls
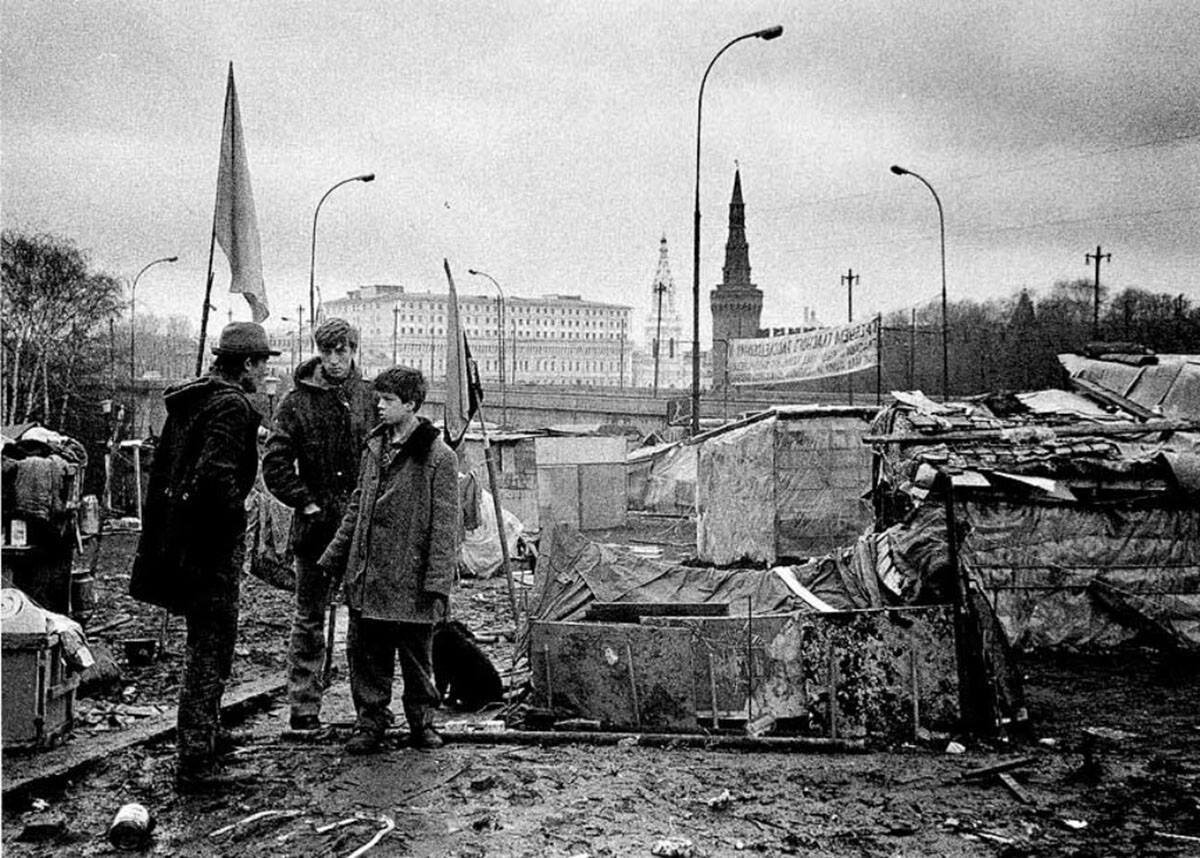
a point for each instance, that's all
(663, 479)
(735, 496)
(786, 486)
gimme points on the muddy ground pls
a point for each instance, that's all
(1133, 792)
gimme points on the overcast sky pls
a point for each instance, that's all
(552, 145)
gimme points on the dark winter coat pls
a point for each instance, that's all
(398, 541)
(313, 453)
(194, 515)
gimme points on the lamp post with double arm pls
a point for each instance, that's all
(766, 35)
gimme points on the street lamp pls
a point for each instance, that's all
(766, 35)
(132, 311)
(900, 171)
(312, 261)
(499, 341)
(271, 387)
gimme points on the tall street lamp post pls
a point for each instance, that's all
(499, 341)
(312, 260)
(133, 310)
(766, 35)
(900, 171)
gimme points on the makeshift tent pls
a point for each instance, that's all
(778, 648)
(786, 483)
(1080, 531)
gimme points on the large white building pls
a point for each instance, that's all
(556, 339)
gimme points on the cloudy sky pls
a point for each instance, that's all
(553, 144)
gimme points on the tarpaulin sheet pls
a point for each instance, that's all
(735, 496)
(1081, 576)
(573, 571)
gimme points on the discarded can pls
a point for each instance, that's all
(131, 827)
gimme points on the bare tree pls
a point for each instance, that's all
(54, 310)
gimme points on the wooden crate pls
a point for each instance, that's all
(38, 695)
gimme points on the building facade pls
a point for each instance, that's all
(556, 339)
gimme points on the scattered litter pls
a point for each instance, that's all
(131, 827)
(760, 726)
(1048, 741)
(674, 847)
(386, 823)
(483, 783)
(1074, 824)
(39, 804)
(1184, 838)
(1111, 734)
(627, 742)
(720, 802)
(42, 830)
(254, 817)
(956, 748)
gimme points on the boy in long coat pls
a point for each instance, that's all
(398, 546)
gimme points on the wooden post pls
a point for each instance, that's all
(490, 461)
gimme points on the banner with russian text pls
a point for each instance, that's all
(801, 357)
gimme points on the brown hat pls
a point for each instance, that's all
(243, 338)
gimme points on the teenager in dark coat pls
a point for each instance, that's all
(398, 548)
(189, 556)
(311, 465)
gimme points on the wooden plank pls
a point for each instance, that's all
(623, 675)
(997, 768)
(632, 612)
(23, 772)
(1022, 795)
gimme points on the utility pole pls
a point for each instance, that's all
(395, 332)
(1097, 256)
(850, 278)
(299, 336)
(621, 362)
(659, 288)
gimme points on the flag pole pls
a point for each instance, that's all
(490, 460)
(226, 127)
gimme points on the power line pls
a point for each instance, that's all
(952, 180)
(970, 233)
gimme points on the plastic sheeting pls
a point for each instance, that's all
(481, 555)
(663, 480)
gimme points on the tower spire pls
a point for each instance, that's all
(736, 273)
(736, 302)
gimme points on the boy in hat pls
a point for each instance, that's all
(189, 556)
